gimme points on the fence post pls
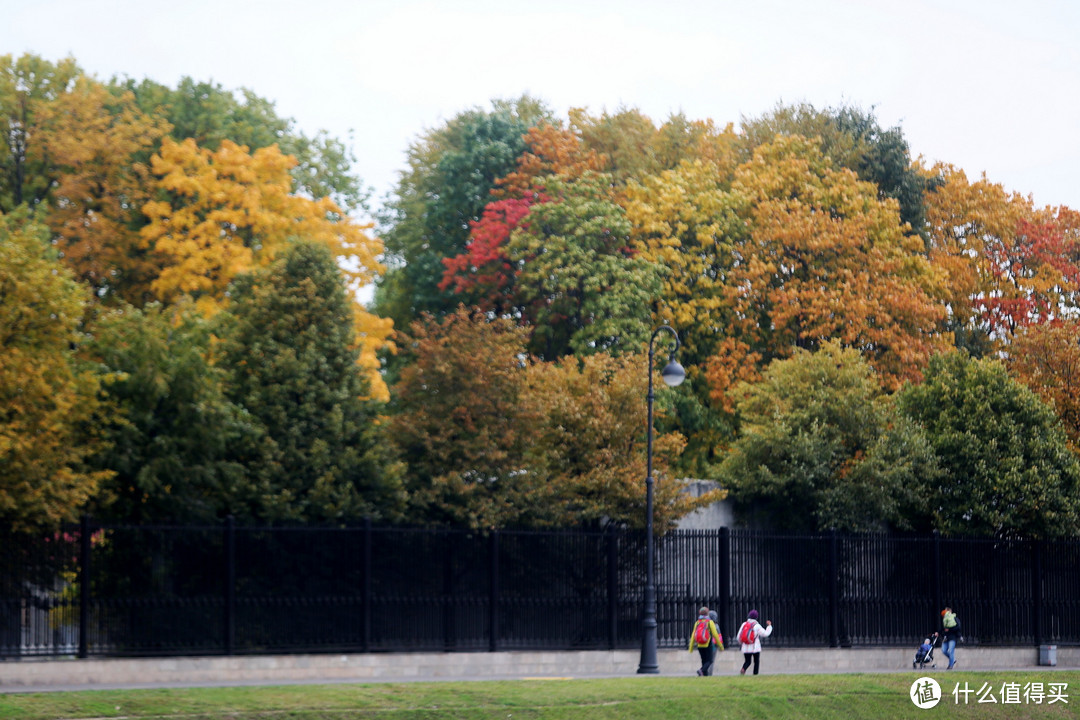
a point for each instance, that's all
(449, 626)
(493, 593)
(366, 587)
(612, 587)
(725, 577)
(84, 587)
(937, 574)
(230, 584)
(1036, 590)
(834, 589)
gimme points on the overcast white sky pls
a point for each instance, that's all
(989, 86)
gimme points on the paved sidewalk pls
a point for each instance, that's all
(30, 675)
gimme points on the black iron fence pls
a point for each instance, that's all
(130, 590)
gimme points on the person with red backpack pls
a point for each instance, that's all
(750, 635)
(706, 638)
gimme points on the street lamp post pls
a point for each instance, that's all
(672, 374)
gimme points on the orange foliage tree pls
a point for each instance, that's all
(550, 150)
(824, 258)
(1046, 358)
(94, 140)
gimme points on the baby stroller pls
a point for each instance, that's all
(924, 655)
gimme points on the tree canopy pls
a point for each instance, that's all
(185, 338)
(822, 448)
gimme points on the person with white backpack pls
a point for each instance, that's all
(750, 634)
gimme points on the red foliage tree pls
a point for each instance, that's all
(1036, 272)
(483, 275)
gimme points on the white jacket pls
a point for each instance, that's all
(760, 631)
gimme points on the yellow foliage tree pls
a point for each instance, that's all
(589, 443)
(684, 220)
(220, 213)
(48, 402)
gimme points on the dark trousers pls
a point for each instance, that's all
(707, 654)
(751, 657)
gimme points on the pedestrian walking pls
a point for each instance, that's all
(950, 633)
(750, 634)
(707, 639)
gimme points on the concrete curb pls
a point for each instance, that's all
(27, 675)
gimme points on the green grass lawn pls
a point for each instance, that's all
(775, 697)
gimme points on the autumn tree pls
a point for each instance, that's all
(222, 213)
(680, 140)
(633, 147)
(49, 407)
(966, 220)
(1034, 272)
(686, 221)
(580, 285)
(622, 138)
(452, 171)
(289, 346)
(853, 139)
(28, 85)
(483, 276)
(588, 444)
(210, 114)
(824, 258)
(821, 447)
(93, 140)
(550, 150)
(461, 426)
(1046, 358)
(1007, 468)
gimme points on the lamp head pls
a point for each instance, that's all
(673, 373)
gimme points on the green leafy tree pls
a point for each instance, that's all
(821, 447)
(179, 450)
(289, 344)
(452, 171)
(49, 409)
(1007, 467)
(581, 287)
